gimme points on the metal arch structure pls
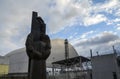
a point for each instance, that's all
(72, 61)
(74, 65)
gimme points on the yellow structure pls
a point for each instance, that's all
(3, 69)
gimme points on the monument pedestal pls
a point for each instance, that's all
(38, 68)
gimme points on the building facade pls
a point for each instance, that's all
(105, 67)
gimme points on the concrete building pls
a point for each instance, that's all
(105, 67)
(18, 62)
(102, 66)
(18, 59)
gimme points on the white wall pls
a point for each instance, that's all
(104, 66)
(18, 62)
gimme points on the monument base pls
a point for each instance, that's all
(38, 69)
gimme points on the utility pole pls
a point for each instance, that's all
(114, 50)
(97, 53)
(116, 64)
(91, 63)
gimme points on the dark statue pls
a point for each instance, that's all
(38, 48)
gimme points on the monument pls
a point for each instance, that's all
(38, 48)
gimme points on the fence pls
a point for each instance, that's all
(63, 75)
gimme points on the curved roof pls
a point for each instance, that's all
(21, 50)
(57, 52)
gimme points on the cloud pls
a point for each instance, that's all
(65, 15)
(117, 13)
(95, 19)
(53, 12)
(84, 35)
(105, 37)
(118, 28)
(101, 42)
(108, 6)
(15, 17)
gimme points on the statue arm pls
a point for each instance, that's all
(28, 44)
(30, 49)
(47, 47)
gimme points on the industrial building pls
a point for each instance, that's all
(18, 59)
(60, 66)
(106, 66)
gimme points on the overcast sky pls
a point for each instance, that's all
(87, 24)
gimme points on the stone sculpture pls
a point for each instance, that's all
(38, 48)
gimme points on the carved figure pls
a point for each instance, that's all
(38, 48)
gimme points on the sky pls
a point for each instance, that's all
(87, 24)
